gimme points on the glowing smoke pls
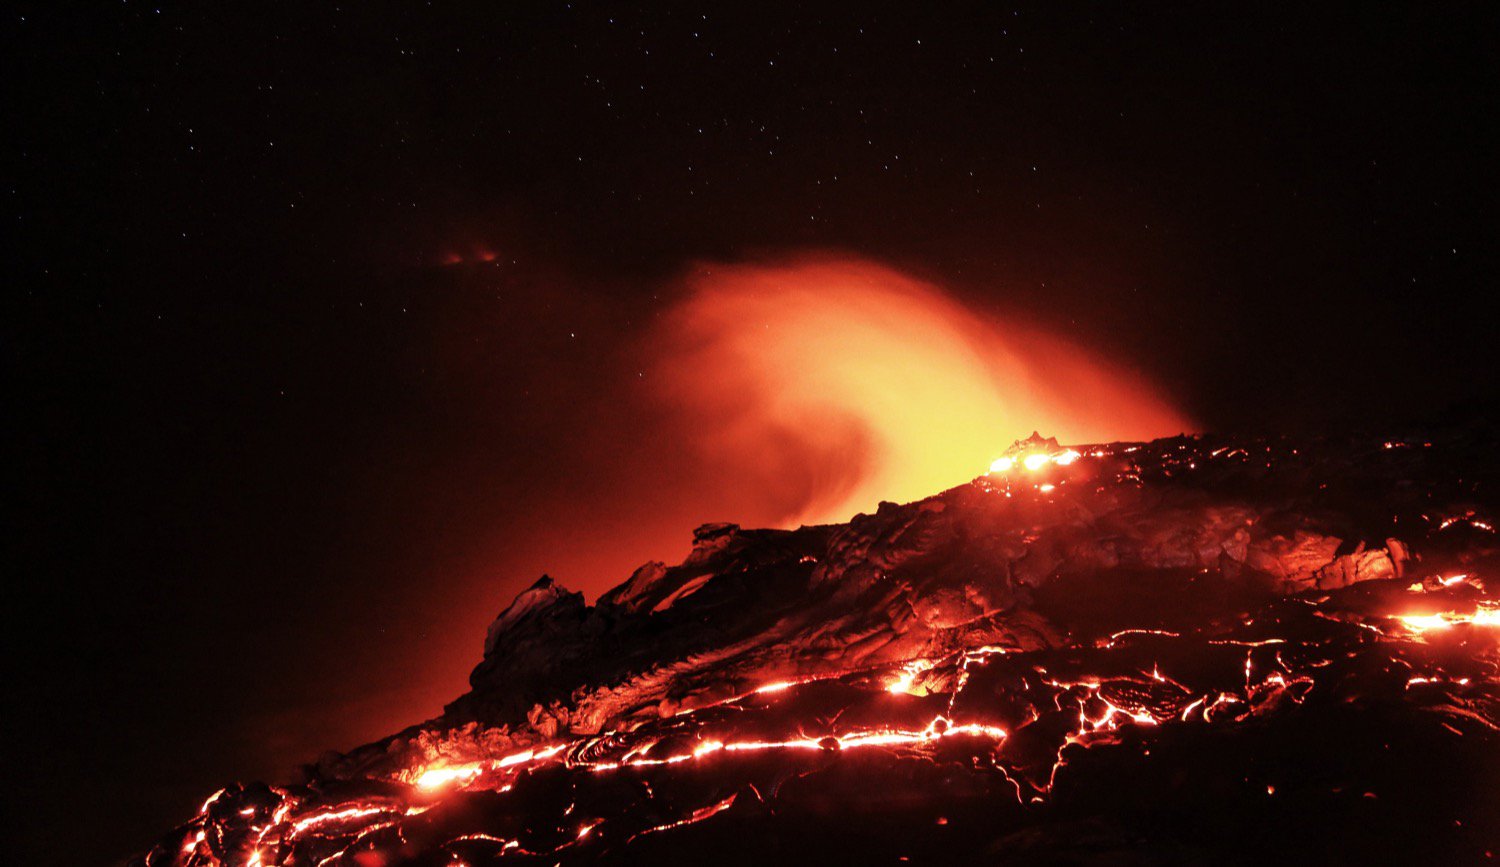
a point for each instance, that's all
(829, 384)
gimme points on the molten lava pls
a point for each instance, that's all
(1148, 650)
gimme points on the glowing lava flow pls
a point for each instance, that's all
(989, 711)
(1101, 708)
(1485, 615)
(1033, 461)
(445, 775)
(936, 730)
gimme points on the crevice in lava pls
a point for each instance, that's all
(1129, 652)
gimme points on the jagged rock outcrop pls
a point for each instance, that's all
(928, 576)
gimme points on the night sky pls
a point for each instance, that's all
(325, 320)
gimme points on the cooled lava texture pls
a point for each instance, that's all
(1193, 650)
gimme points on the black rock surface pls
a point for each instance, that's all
(1192, 650)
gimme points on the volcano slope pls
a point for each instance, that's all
(1192, 650)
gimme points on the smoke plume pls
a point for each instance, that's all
(828, 384)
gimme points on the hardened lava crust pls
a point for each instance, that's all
(1202, 649)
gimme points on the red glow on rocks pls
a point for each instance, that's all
(960, 656)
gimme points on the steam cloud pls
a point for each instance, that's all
(827, 384)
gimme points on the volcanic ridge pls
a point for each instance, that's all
(1191, 650)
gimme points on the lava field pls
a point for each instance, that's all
(1204, 649)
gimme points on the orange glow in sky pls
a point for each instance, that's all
(866, 384)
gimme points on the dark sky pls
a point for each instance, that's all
(322, 317)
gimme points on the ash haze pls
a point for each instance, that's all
(336, 324)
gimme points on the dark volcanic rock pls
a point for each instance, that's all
(1125, 653)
